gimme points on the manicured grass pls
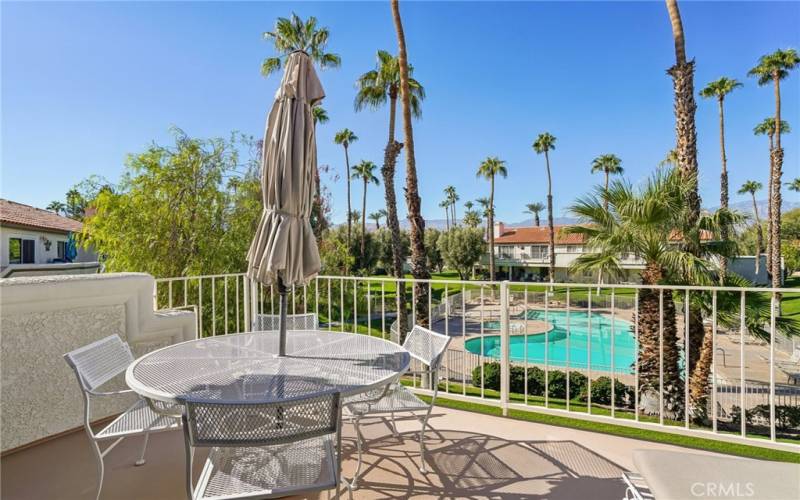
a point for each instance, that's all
(628, 432)
(790, 305)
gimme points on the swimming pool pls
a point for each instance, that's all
(602, 327)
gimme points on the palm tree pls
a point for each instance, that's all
(419, 260)
(534, 209)
(794, 185)
(767, 127)
(319, 114)
(490, 168)
(685, 132)
(468, 205)
(345, 138)
(452, 198)
(670, 159)
(609, 164)
(643, 222)
(718, 89)
(774, 68)
(751, 187)
(375, 88)
(376, 216)
(57, 206)
(294, 34)
(364, 171)
(543, 144)
(445, 204)
(471, 218)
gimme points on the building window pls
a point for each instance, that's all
(21, 251)
(540, 251)
(506, 252)
(62, 250)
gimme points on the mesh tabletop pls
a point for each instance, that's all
(246, 367)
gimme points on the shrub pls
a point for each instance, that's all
(491, 376)
(601, 392)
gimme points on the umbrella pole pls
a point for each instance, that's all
(282, 318)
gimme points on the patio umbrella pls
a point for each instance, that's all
(71, 248)
(284, 250)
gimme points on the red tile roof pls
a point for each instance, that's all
(538, 235)
(18, 214)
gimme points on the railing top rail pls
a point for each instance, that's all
(529, 284)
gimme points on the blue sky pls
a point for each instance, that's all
(84, 84)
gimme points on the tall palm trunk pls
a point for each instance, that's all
(447, 217)
(759, 234)
(490, 225)
(769, 203)
(390, 155)
(686, 135)
(723, 181)
(364, 222)
(454, 214)
(418, 258)
(536, 219)
(657, 333)
(551, 270)
(775, 195)
(349, 207)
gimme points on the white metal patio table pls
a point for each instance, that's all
(246, 366)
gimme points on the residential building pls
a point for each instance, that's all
(34, 241)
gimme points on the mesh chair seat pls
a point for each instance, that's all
(398, 399)
(136, 420)
(265, 471)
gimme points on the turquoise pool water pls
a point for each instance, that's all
(602, 328)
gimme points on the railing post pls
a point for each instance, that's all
(505, 341)
(246, 287)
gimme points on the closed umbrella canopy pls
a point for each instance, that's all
(284, 250)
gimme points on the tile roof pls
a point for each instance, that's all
(18, 214)
(538, 235)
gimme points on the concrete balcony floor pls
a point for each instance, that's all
(470, 456)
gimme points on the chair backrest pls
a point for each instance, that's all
(220, 423)
(426, 345)
(98, 362)
(267, 322)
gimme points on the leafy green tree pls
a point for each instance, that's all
(294, 34)
(461, 249)
(186, 209)
(772, 68)
(435, 260)
(543, 144)
(472, 219)
(791, 225)
(534, 209)
(490, 168)
(751, 187)
(385, 248)
(350, 258)
(366, 172)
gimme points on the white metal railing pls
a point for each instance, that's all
(557, 348)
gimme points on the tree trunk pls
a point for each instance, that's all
(363, 222)
(650, 341)
(769, 203)
(775, 200)
(605, 200)
(491, 229)
(699, 387)
(418, 258)
(551, 268)
(454, 214)
(723, 182)
(349, 208)
(759, 234)
(536, 218)
(447, 218)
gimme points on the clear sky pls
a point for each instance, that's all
(84, 84)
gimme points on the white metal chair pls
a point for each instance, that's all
(95, 365)
(268, 322)
(427, 347)
(264, 449)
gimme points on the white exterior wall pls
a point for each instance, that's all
(42, 255)
(44, 317)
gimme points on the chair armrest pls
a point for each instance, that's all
(110, 393)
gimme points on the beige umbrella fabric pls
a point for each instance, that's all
(284, 249)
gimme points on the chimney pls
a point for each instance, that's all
(499, 229)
